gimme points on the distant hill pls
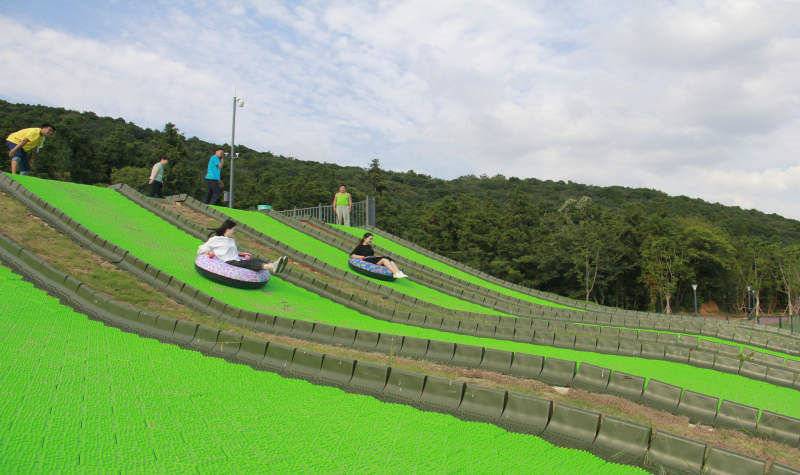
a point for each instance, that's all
(635, 248)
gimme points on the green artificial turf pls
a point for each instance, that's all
(155, 241)
(410, 254)
(338, 259)
(78, 396)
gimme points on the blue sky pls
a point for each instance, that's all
(696, 98)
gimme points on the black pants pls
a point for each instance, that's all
(252, 264)
(375, 259)
(214, 192)
(155, 189)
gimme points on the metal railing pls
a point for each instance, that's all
(361, 214)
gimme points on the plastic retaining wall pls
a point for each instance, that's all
(765, 337)
(608, 437)
(525, 330)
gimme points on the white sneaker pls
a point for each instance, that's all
(400, 275)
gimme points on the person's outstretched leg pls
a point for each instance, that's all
(277, 266)
(389, 264)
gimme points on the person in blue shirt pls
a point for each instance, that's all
(214, 177)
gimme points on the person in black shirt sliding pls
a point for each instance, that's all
(365, 252)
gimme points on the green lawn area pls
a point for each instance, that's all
(153, 240)
(338, 259)
(78, 396)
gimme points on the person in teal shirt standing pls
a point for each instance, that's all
(214, 177)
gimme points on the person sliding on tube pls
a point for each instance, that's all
(222, 245)
(365, 252)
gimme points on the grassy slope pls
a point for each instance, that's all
(121, 221)
(336, 258)
(408, 253)
(85, 397)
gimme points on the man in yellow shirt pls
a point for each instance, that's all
(23, 144)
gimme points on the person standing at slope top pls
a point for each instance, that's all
(157, 177)
(342, 203)
(23, 145)
(214, 177)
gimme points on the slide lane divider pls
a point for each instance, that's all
(610, 438)
(762, 337)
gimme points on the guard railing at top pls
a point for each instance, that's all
(362, 213)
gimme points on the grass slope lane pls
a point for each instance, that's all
(419, 258)
(78, 396)
(153, 240)
(338, 259)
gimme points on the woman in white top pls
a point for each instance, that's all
(222, 245)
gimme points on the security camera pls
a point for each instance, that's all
(240, 101)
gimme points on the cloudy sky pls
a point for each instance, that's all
(695, 98)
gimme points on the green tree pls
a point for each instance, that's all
(664, 266)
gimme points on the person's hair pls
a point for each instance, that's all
(163, 158)
(342, 185)
(220, 231)
(48, 125)
(219, 149)
(361, 241)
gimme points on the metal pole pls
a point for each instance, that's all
(694, 291)
(233, 137)
(748, 303)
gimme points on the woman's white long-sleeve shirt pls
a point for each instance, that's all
(222, 247)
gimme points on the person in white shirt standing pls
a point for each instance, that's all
(157, 177)
(222, 246)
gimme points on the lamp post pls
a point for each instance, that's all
(237, 101)
(694, 291)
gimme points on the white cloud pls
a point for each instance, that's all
(696, 98)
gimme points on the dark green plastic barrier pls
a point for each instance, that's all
(722, 462)
(622, 441)
(698, 407)
(591, 378)
(572, 427)
(674, 454)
